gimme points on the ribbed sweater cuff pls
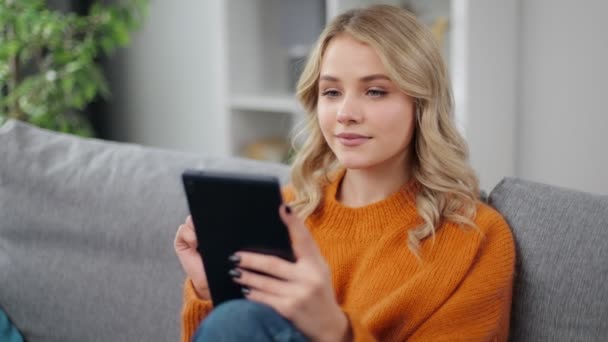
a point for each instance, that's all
(194, 311)
(360, 332)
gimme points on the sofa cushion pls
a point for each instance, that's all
(561, 236)
(86, 235)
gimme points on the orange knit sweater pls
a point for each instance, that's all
(461, 290)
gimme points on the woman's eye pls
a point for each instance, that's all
(376, 93)
(331, 93)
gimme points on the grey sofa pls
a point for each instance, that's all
(86, 232)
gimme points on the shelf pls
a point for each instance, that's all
(285, 103)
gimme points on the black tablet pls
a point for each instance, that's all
(234, 212)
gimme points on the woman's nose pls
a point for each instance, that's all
(348, 112)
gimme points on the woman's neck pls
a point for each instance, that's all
(361, 187)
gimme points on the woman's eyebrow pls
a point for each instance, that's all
(374, 77)
(329, 78)
(367, 78)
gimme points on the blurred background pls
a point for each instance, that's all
(216, 77)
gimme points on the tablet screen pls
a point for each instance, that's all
(234, 212)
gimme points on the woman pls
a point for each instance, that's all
(391, 241)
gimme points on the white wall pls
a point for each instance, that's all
(166, 85)
(563, 124)
(484, 72)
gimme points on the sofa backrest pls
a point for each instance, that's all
(87, 226)
(561, 285)
(86, 235)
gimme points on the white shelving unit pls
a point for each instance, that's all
(480, 47)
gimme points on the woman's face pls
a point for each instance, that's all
(367, 121)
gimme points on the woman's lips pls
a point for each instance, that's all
(351, 139)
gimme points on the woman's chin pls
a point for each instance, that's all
(355, 163)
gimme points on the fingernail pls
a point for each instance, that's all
(234, 258)
(288, 209)
(245, 290)
(234, 273)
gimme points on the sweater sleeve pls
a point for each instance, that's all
(194, 311)
(360, 332)
(479, 309)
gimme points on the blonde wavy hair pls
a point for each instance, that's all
(449, 188)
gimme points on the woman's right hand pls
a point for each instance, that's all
(185, 245)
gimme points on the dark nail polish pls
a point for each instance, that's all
(234, 273)
(234, 259)
(288, 209)
(245, 291)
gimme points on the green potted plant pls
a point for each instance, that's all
(49, 60)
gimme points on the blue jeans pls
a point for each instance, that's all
(244, 320)
(8, 332)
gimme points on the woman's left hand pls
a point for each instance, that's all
(302, 291)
